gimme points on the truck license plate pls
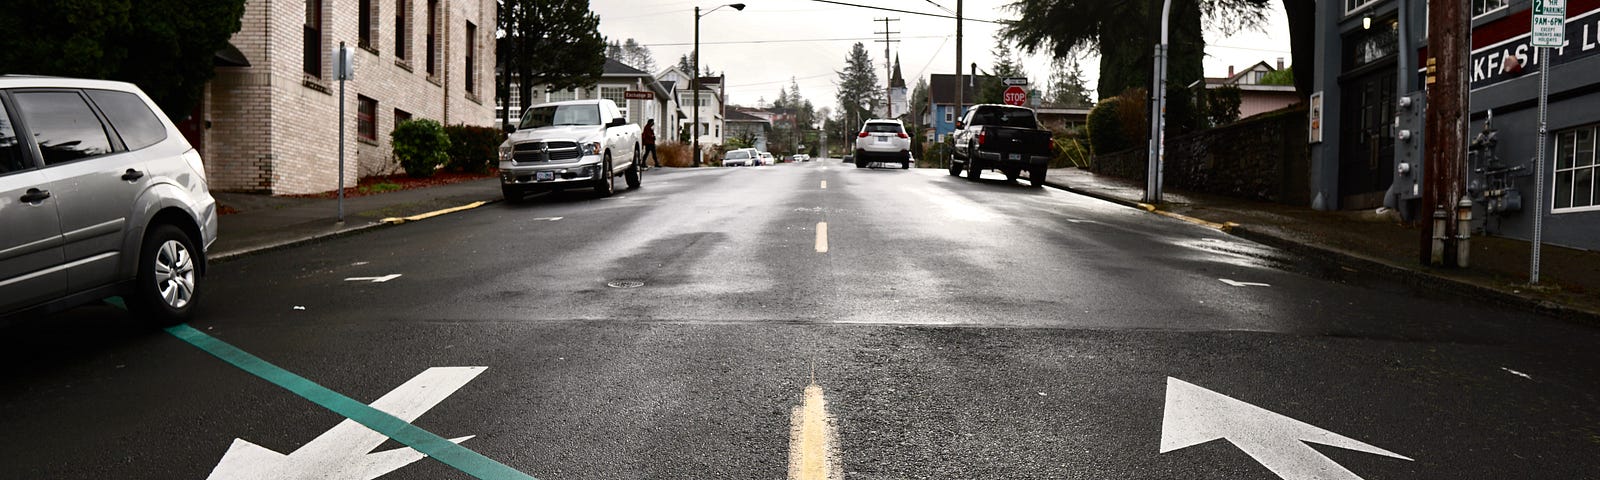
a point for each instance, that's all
(883, 139)
(1014, 156)
(544, 176)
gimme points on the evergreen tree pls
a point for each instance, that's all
(166, 47)
(548, 42)
(1123, 33)
(686, 63)
(1006, 65)
(638, 56)
(859, 93)
(1067, 86)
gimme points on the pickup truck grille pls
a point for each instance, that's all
(530, 152)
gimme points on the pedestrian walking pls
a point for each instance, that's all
(649, 139)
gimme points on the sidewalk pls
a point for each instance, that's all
(1366, 241)
(265, 222)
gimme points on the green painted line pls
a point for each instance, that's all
(439, 448)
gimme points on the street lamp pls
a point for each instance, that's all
(694, 77)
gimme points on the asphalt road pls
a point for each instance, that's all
(957, 329)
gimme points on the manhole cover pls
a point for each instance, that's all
(624, 284)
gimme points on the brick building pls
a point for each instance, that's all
(270, 123)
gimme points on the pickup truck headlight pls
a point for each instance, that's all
(592, 148)
(505, 152)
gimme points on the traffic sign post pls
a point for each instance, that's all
(1015, 95)
(1547, 31)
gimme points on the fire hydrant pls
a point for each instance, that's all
(1463, 231)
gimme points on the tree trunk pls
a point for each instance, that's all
(1302, 16)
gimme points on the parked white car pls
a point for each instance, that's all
(740, 157)
(765, 158)
(571, 144)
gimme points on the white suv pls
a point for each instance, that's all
(101, 196)
(883, 141)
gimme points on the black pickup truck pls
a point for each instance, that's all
(1004, 138)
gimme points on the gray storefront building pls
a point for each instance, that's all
(1368, 115)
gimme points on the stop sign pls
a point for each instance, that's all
(1015, 95)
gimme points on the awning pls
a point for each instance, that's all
(230, 56)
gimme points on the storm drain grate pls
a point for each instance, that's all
(624, 284)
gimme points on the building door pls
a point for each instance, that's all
(1366, 158)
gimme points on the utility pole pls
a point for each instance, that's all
(1445, 165)
(960, 83)
(888, 66)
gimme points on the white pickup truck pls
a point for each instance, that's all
(572, 144)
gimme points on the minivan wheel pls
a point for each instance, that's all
(168, 277)
(607, 183)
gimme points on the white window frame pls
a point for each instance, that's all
(1593, 167)
(1504, 4)
(607, 91)
(1359, 6)
(564, 95)
(949, 115)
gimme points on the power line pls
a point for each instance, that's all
(792, 40)
(780, 81)
(941, 7)
(997, 22)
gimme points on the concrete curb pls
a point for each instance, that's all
(1408, 276)
(229, 256)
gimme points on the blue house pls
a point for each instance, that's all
(942, 114)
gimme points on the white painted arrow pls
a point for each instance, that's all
(1195, 415)
(1243, 284)
(343, 452)
(381, 279)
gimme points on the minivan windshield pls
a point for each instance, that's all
(561, 115)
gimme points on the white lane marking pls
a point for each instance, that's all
(1517, 373)
(822, 237)
(824, 184)
(1195, 415)
(1243, 284)
(343, 451)
(381, 279)
(545, 219)
(813, 441)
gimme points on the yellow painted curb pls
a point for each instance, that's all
(435, 213)
(1225, 226)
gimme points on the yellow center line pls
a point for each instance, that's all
(822, 237)
(813, 442)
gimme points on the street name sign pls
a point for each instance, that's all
(638, 95)
(1018, 81)
(345, 452)
(1549, 23)
(1195, 415)
(1015, 95)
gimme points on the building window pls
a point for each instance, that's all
(433, 37)
(614, 94)
(402, 18)
(1480, 7)
(1576, 170)
(472, 51)
(949, 115)
(400, 116)
(563, 95)
(364, 14)
(313, 38)
(366, 118)
(1351, 6)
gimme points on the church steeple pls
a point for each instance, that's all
(897, 81)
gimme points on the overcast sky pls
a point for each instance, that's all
(769, 42)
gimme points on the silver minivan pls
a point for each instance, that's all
(100, 196)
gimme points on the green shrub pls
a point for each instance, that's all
(1105, 127)
(421, 146)
(473, 149)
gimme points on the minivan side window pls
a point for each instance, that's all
(11, 159)
(64, 126)
(130, 117)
